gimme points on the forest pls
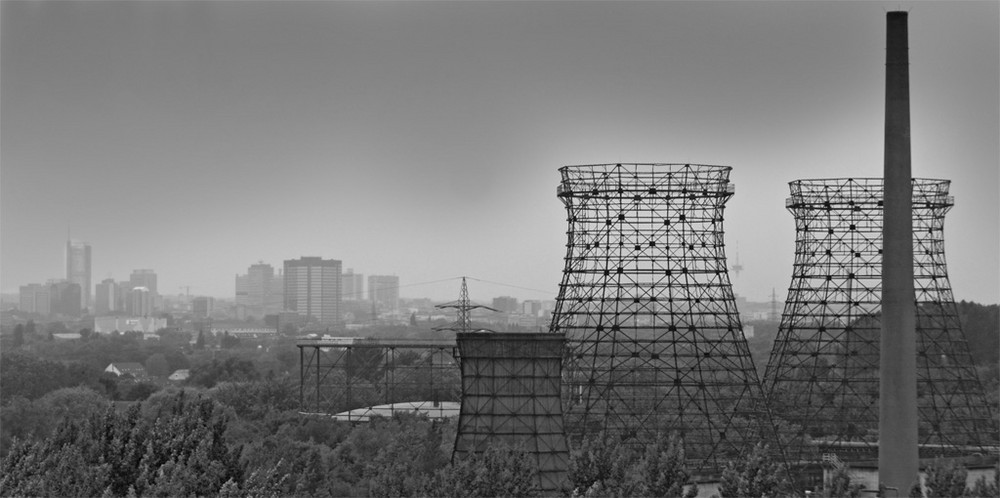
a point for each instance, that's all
(233, 428)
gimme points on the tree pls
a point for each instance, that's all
(499, 471)
(754, 475)
(839, 485)
(200, 342)
(663, 469)
(413, 319)
(117, 453)
(157, 365)
(945, 479)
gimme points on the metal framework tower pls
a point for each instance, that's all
(656, 343)
(463, 308)
(510, 395)
(823, 373)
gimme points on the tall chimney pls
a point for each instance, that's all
(898, 451)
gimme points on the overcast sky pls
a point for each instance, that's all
(423, 139)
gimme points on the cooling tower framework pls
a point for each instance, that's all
(655, 339)
(823, 373)
(510, 395)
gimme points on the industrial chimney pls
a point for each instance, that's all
(898, 451)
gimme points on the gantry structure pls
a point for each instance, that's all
(355, 378)
(823, 373)
(655, 340)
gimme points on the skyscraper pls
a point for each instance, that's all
(78, 268)
(107, 297)
(313, 288)
(259, 291)
(353, 286)
(383, 290)
(142, 278)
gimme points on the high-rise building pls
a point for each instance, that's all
(140, 302)
(259, 292)
(78, 268)
(506, 304)
(107, 297)
(202, 306)
(383, 291)
(313, 288)
(353, 286)
(144, 278)
(64, 298)
(34, 298)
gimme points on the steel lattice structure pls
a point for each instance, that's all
(510, 395)
(823, 373)
(340, 375)
(648, 311)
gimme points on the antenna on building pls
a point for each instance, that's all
(464, 307)
(774, 305)
(736, 267)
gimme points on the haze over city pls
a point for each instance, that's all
(422, 139)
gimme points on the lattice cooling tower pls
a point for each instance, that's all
(648, 310)
(823, 373)
(510, 395)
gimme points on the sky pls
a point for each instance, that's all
(423, 139)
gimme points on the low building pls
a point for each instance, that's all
(145, 324)
(179, 375)
(136, 370)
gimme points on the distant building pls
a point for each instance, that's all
(64, 298)
(78, 268)
(147, 325)
(259, 292)
(139, 302)
(532, 308)
(107, 298)
(202, 306)
(145, 278)
(353, 286)
(505, 304)
(383, 291)
(313, 288)
(34, 298)
(179, 375)
(135, 370)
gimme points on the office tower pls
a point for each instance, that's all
(354, 286)
(655, 339)
(506, 304)
(202, 306)
(78, 268)
(35, 298)
(255, 291)
(106, 297)
(383, 291)
(144, 278)
(823, 373)
(140, 302)
(313, 287)
(65, 298)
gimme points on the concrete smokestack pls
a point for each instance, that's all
(898, 451)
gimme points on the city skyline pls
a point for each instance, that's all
(423, 139)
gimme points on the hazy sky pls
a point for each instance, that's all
(423, 139)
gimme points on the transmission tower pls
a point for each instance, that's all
(463, 307)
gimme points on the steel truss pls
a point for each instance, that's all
(510, 395)
(648, 311)
(339, 375)
(823, 373)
